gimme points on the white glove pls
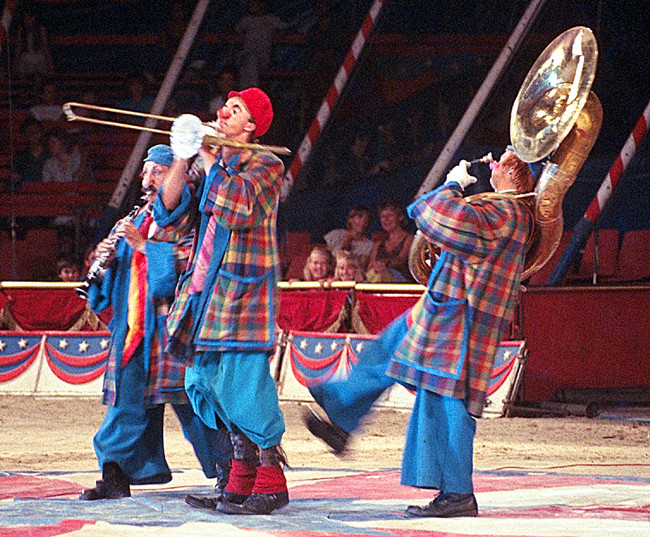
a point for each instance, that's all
(459, 175)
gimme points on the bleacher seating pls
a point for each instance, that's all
(633, 262)
(30, 258)
(607, 254)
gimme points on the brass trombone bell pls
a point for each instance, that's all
(553, 94)
(208, 137)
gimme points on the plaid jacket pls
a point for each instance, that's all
(166, 257)
(457, 325)
(235, 303)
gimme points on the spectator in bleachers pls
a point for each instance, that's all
(226, 82)
(353, 237)
(88, 259)
(136, 99)
(389, 257)
(175, 28)
(319, 266)
(49, 109)
(27, 167)
(67, 270)
(32, 57)
(259, 29)
(81, 130)
(348, 267)
(67, 161)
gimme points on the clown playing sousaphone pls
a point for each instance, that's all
(443, 348)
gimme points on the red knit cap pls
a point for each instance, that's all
(259, 105)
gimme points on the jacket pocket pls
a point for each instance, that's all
(437, 339)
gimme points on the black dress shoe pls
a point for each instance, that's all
(114, 485)
(446, 505)
(335, 437)
(202, 502)
(255, 504)
(211, 502)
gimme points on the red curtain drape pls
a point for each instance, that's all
(377, 311)
(46, 309)
(305, 310)
(311, 310)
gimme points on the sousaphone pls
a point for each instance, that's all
(555, 115)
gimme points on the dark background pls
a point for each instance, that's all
(417, 75)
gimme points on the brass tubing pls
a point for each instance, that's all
(208, 139)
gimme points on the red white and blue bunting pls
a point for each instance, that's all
(17, 354)
(52, 362)
(317, 357)
(311, 358)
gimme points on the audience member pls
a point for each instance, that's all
(80, 131)
(67, 162)
(67, 270)
(353, 237)
(27, 167)
(88, 260)
(50, 108)
(175, 28)
(136, 99)
(348, 267)
(389, 257)
(258, 28)
(319, 266)
(226, 82)
(32, 57)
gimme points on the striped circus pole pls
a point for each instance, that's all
(7, 15)
(585, 226)
(318, 125)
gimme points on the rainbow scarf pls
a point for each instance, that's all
(137, 298)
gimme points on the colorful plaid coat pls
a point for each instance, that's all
(166, 255)
(457, 325)
(227, 298)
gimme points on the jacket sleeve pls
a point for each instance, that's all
(100, 290)
(469, 231)
(161, 269)
(244, 199)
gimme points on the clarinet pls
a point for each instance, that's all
(100, 262)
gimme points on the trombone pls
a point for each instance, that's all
(208, 138)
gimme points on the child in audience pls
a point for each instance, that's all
(319, 266)
(348, 267)
(67, 270)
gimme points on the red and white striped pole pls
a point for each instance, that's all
(617, 169)
(585, 226)
(333, 94)
(7, 15)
